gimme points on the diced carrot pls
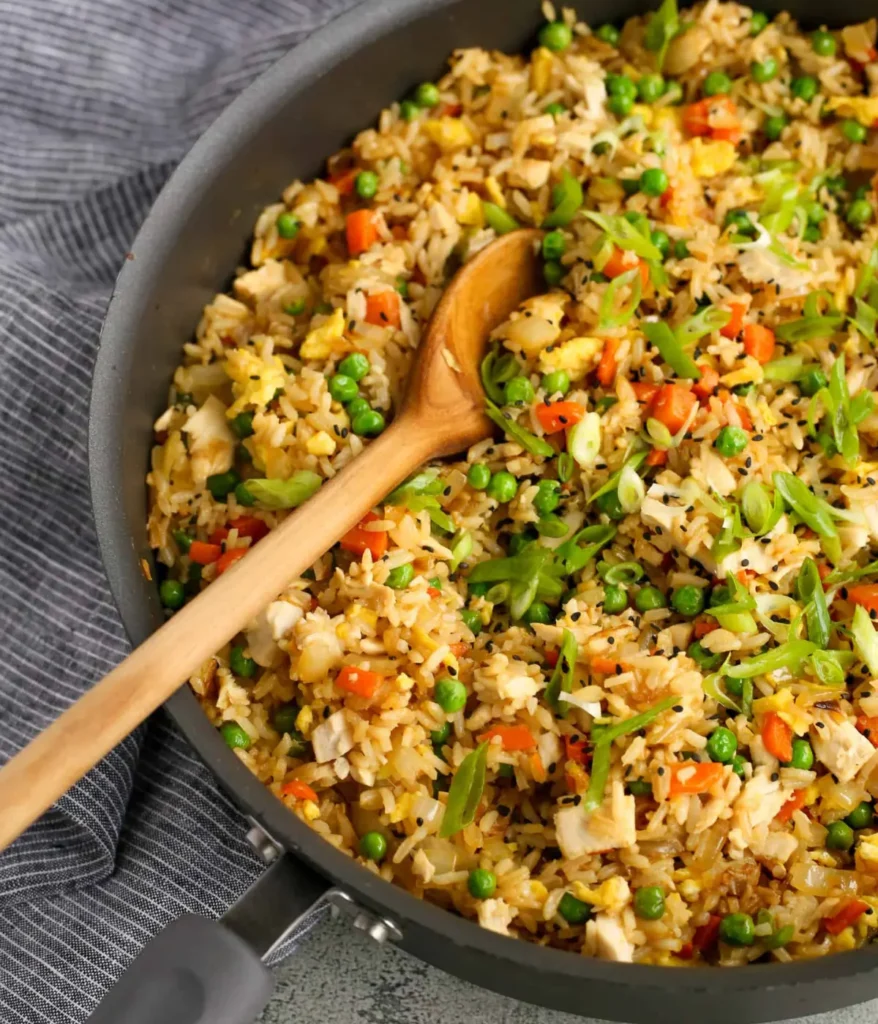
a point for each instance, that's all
(823, 570)
(708, 383)
(249, 526)
(715, 117)
(451, 110)
(383, 309)
(300, 790)
(759, 342)
(359, 540)
(745, 575)
(736, 323)
(704, 625)
(865, 595)
(706, 934)
(204, 554)
(672, 406)
(777, 737)
(513, 737)
(361, 231)
(667, 197)
(459, 649)
(537, 768)
(400, 232)
(606, 371)
(869, 728)
(643, 391)
(576, 750)
(575, 777)
(795, 803)
(344, 181)
(623, 260)
(687, 951)
(433, 592)
(849, 914)
(694, 777)
(360, 681)
(604, 666)
(551, 657)
(228, 558)
(743, 416)
(559, 415)
(657, 457)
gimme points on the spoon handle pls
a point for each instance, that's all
(63, 752)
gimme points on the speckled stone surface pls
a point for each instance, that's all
(341, 977)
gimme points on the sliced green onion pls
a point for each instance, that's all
(609, 316)
(576, 553)
(711, 687)
(789, 656)
(809, 588)
(465, 792)
(787, 369)
(530, 442)
(566, 464)
(830, 666)
(662, 27)
(813, 511)
(659, 433)
(635, 461)
(660, 335)
(289, 493)
(461, 548)
(498, 219)
(561, 680)
(865, 639)
(705, 321)
(622, 573)
(584, 440)
(631, 490)
(566, 199)
(625, 235)
(758, 508)
(497, 370)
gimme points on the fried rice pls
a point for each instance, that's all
(606, 680)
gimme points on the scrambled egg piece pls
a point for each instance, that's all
(535, 326)
(784, 704)
(577, 356)
(402, 809)
(469, 210)
(867, 855)
(319, 342)
(613, 894)
(320, 444)
(256, 380)
(449, 133)
(495, 193)
(863, 108)
(711, 158)
(540, 70)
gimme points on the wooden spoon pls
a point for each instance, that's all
(443, 412)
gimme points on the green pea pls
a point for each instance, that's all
(402, 287)
(439, 737)
(554, 244)
(450, 695)
(556, 36)
(478, 476)
(366, 184)
(853, 131)
(859, 213)
(502, 487)
(357, 405)
(717, 83)
(608, 34)
(184, 540)
(734, 687)
(519, 391)
(601, 148)
(284, 719)
(688, 601)
(654, 182)
(368, 423)
(221, 485)
(764, 71)
(242, 424)
(661, 241)
(342, 388)
(704, 659)
(620, 105)
(610, 505)
(839, 836)
(649, 903)
(823, 43)
(630, 186)
(519, 541)
(574, 911)
(408, 110)
(615, 599)
(373, 846)
(649, 598)
(803, 755)
(811, 233)
(731, 441)
(400, 577)
(740, 221)
(556, 383)
(478, 589)
(674, 93)
(773, 126)
(472, 620)
(355, 366)
(235, 736)
(295, 308)
(555, 109)
(651, 88)
(172, 594)
(814, 212)
(193, 579)
(481, 883)
(738, 763)
(861, 816)
(860, 192)
(243, 496)
(240, 664)
(553, 272)
(681, 250)
(737, 930)
(540, 612)
(722, 745)
(287, 225)
(638, 219)
(548, 496)
(720, 595)
(426, 95)
(758, 23)
(804, 88)
(506, 771)
(743, 389)
(639, 787)
(621, 85)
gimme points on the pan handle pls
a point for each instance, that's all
(198, 971)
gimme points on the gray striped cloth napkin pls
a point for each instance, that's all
(100, 98)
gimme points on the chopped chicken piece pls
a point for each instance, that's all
(840, 746)
(760, 800)
(263, 281)
(211, 441)
(331, 738)
(610, 827)
(496, 915)
(282, 616)
(610, 941)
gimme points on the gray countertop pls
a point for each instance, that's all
(338, 976)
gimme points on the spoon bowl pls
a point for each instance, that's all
(442, 413)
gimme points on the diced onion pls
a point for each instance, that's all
(817, 880)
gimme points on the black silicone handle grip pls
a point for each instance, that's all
(196, 971)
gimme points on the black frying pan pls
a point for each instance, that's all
(285, 125)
